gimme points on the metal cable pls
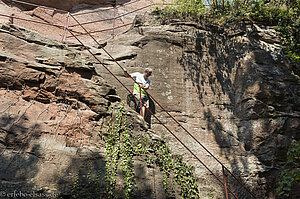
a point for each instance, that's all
(160, 106)
(121, 5)
(97, 31)
(33, 21)
(112, 18)
(32, 4)
(156, 117)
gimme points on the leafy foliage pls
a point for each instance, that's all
(164, 160)
(127, 158)
(112, 150)
(286, 19)
(187, 9)
(291, 176)
(185, 178)
(76, 187)
(86, 183)
(284, 14)
(174, 166)
(119, 146)
(122, 146)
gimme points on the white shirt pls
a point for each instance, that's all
(139, 78)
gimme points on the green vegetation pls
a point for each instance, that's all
(119, 146)
(127, 160)
(122, 146)
(86, 183)
(284, 14)
(290, 176)
(112, 149)
(76, 187)
(186, 9)
(210, 194)
(174, 168)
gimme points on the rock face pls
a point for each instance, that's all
(228, 86)
(47, 91)
(68, 5)
(51, 100)
(53, 107)
(101, 17)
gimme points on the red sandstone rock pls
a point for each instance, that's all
(69, 4)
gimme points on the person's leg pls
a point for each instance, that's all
(145, 101)
(139, 106)
(143, 112)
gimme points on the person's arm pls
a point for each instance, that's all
(126, 74)
(133, 75)
(146, 87)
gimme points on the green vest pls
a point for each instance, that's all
(136, 90)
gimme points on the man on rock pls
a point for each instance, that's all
(143, 82)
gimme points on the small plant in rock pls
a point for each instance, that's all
(90, 182)
(210, 193)
(112, 149)
(98, 182)
(184, 176)
(290, 176)
(76, 186)
(85, 185)
(164, 161)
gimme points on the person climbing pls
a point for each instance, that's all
(142, 81)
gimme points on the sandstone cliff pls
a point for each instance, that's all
(51, 103)
(47, 91)
(228, 85)
(97, 11)
(68, 5)
(56, 113)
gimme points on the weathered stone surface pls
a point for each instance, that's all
(228, 86)
(45, 71)
(69, 4)
(100, 11)
(53, 107)
(45, 91)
